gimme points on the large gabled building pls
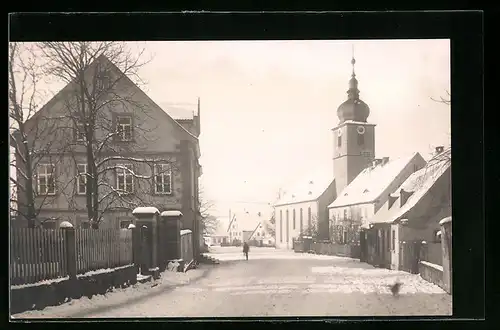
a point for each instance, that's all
(128, 132)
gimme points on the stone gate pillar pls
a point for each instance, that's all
(171, 227)
(446, 238)
(147, 220)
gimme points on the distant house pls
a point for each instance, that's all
(128, 131)
(302, 208)
(366, 194)
(412, 211)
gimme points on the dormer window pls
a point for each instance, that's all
(365, 191)
(310, 182)
(103, 80)
(310, 193)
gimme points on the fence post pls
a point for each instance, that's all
(70, 246)
(172, 220)
(147, 220)
(446, 238)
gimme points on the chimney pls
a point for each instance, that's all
(385, 160)
(439, 149)
(404, 195)
(391, 199)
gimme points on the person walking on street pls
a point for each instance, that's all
(246, 248)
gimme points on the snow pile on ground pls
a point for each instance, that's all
(117, 297)
(173, 266)
(345, 279)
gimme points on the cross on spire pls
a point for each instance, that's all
(353, 61)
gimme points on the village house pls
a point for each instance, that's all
(244, 226)
(412, 212)
(146, 158)
(366, 194)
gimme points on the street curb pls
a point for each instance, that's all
(155, 292)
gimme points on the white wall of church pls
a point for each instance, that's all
(284, 236)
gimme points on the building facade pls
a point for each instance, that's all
(143, 156)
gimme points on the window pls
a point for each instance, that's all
(125, 223)
(46, 184)
(163, 179)
(345, 214)
(281, 226)
(49, 224)
(344, 237)
(103, 80)
(125, 179)
(415, 167)
(339, 141)
(124, 128)
(309, 218)
(301, 224)
(361, 139)
(293, 223)
(393, 244)
(82, 179)
(79, 132)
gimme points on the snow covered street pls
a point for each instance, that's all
(271, 283)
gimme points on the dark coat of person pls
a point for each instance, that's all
(246, 248)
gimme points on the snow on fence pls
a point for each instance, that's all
(102, 248)
(36, 254)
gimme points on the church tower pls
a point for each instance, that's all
(354, 137)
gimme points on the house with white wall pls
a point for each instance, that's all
(301, 208)
(364, 196)
(412, 211)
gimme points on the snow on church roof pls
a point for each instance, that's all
(419, 183)
(372, 182)
(308, 188)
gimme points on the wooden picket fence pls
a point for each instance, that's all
(36, 255)
(102, 248)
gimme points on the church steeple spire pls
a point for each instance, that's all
(353, 108)
(353, 92)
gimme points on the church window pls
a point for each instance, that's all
(339, 141)
(361, 139)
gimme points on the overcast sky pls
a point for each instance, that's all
(268, 107)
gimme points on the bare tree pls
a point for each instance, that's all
(208, 222)
(445, 100)
(106, 146)
(31, 136)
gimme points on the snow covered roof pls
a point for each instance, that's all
(308, 188)
(145, 210)
(419, 183)
(171, 213)
(371, 182)
(179, 111)
(445, 220)
(185, 231)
